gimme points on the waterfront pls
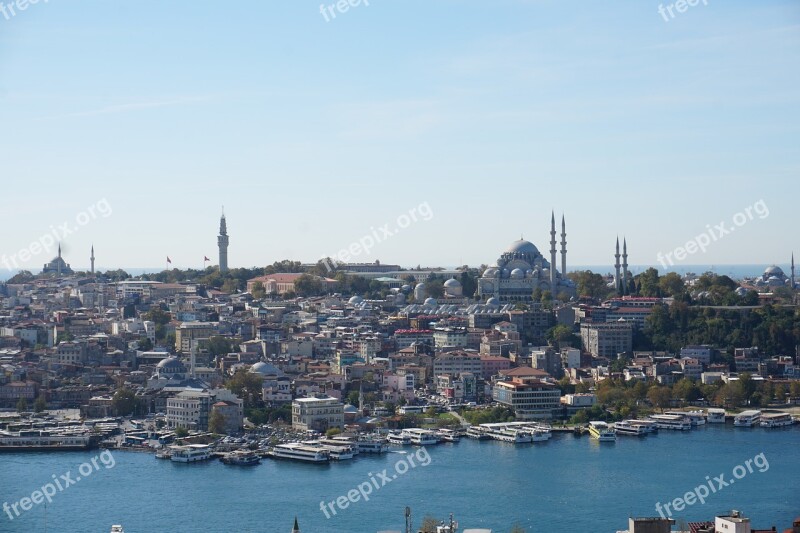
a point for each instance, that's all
(566, 483)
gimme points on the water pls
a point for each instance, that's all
(569, 483)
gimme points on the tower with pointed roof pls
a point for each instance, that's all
(91, 258)
(553, 251)
(616, 268)
(563, 247)
(624, 265)
(296, 528)
(222, 243)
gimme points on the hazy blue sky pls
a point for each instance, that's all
(312, 132)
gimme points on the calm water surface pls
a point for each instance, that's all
(567, 484)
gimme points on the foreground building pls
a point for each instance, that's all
(317, 413)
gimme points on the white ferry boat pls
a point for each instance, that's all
(716, 416)
(241, 458)
(649, 425)
(625, 427)
(398, 439)
(676, 422)
(38, 440)
(365, 444)
(421, 437)
(300, 452)
(696, 418)
(117, 529)
(191, 453)
(747, 419)
(509, 434)
(477, 433)
(602, 432)
(449, 435)
(776, 420)
(339, 451)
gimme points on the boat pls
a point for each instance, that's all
(41, 440)
(449, 435)
(776, 420)
(625, 427)
(696, 418)
(298, 451)
(747, 419)
(676, 422)
(716, 416)
(398, 439)
(191, 453)
(339, 450)
(364, 444)
(241, 458)
(477, 433)
(117, 529)
(649, 425)
(510, 434)
(421, 437)
(602, 432)
(164, 454)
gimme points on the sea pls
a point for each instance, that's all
(566, 484)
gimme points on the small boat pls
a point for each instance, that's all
(477, 433)
(241, 458)
(602, 432)
(776, 420)
(164, 454)
(716, 416)
(398, 439)
(117, 529)
(449, 435)
(625, 427)
(747, 419)
(191, 453)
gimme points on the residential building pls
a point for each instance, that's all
(317, 413)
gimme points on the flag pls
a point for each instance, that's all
(205, 258)
(169, 260)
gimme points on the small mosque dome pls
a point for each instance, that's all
(493, 302)
(430, 302)
(517, 273)
(355, 300)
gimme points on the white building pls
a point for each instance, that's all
(607, 339)
(458, 362)
(318, 413)
(191, 408)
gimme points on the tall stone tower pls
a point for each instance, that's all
(624, 266)
(92, 259)
(616, 269)
(222, 242)
(563, 248)
(553, 252)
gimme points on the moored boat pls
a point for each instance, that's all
(191, 453)
(398, 439)
(676, 422)
(776, 420)
(241, 458)
(298, 451)
(625, 427)
(477, 433)
(748, 418)
(448, 435)
(716, 416)
(602, 432)
(421, 437)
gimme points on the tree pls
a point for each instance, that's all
(308, 285)
(671, 284)
(217, 345)
(429, 525)
(648, 283)
(124, 402)
(659, 396)
(230, 286)
(145, 344)
(216, 422)
(40, 405)
(589, 284)
(332, 432)
(246, 386)
(181, 432)
(22, 405)
(258, 291)
(561, 336)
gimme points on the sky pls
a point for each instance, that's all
(457, 126)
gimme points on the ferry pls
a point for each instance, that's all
(776, 420)
(300, 452)
(602, 432)
(649, 425)
(477, 433)
(191, 453)
(421, 437)
(508, 434)
(398, 439)
(747, 419)
(339, 451)
(625, 427)
(676, 422)
(539, 435)
(164, 454)
(696, 418)
(241, 458)
(716, 416)
(117, 529)
(365, 444)
(38, 440)
(449, 435)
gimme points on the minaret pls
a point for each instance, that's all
(793, 285)
(92, 259)
(58, 262)
(624, 266)
(296, 528)
(553, 253)
(563, 248)
(222, 242)
(616, 267)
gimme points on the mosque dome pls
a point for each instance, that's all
(523, 247)
(493, 302)
(355, 300)
(490, 272)
(265, 369)
(430, 302)
(452, 283)
(170, 364)
(517, 273)
(774, 271)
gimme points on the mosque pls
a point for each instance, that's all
(774, 277)
(57, 266)
(522, 269)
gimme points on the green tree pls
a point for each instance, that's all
(124, 402)
(429, 525)
(307, 285)
(22, 405)
(561, 336)
(216, 422)
(659, 396)
(181, 432)
(258, 292)
(648, 283)
(671, 284)
(246, 386)
(40, 405)
(589, 284)
(332, 432)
